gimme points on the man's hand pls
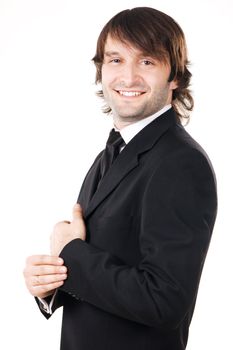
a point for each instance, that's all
(66, 231)
(44, 274)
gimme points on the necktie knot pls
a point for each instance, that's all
(113, 145)
(115, 139)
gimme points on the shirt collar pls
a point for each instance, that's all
(129, 131)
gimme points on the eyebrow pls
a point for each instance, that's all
(116, 53)
(111, 53)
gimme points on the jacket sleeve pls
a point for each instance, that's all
(178, 214)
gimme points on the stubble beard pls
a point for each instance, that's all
(148, 108)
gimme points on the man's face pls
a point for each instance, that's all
(135, 86)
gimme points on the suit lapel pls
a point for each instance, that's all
(90, 184)
(128, 159)
(120, 168)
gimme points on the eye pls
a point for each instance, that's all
(115, 60)
(147, 62)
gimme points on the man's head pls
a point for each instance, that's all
(141, 61)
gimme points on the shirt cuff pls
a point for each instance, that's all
(47, 307)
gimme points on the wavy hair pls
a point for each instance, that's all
(155, 34)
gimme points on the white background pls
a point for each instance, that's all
(51, 128)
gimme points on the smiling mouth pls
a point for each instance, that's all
(130, 93)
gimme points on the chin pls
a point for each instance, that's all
(128, 114)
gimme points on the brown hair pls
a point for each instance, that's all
(157, 35)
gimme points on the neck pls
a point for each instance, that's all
(121, 123)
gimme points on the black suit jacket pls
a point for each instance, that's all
(134, 282)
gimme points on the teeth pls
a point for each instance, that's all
(130, 93)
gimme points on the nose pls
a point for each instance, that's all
(129, 75)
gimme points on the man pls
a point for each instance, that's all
(127, 268)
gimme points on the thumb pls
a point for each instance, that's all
(77, 212)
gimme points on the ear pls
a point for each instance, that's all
(173, 85)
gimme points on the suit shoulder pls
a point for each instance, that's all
(179, 141)
(182, 139)
(177, 149)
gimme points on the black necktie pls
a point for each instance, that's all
(112, 149)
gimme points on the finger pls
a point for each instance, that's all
(48, 270)
(47, 279)
(42, 289)
(77, 212)
(44, 260)
(39, 270)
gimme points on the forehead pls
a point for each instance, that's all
(114, 46)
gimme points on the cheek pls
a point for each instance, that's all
(109, 76)
(158, 78)
(158, 83)
(106, 74)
